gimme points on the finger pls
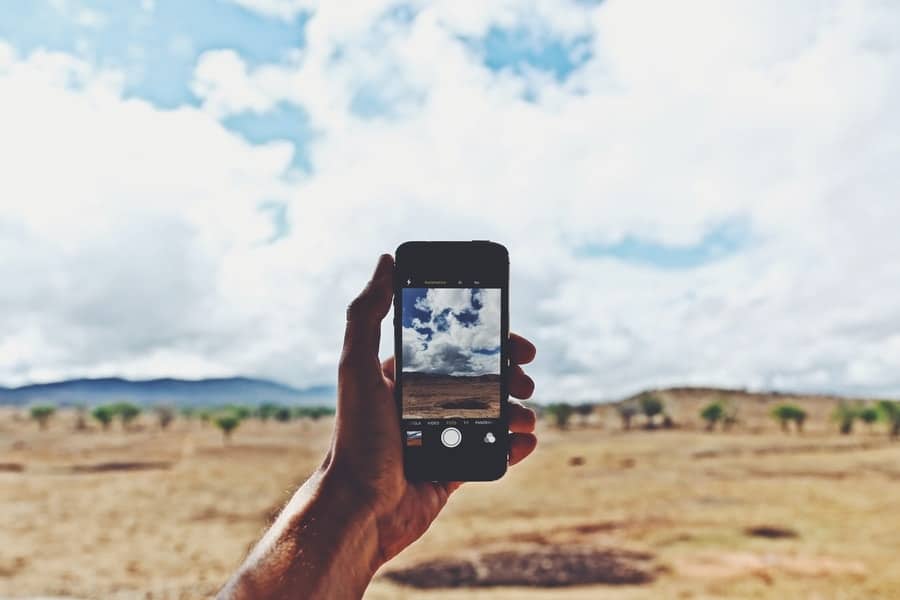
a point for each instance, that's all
(521, 418)
(445, 488)
(520, 446)
(364, 316)
(452, 486)
(521, 351)
(387, 368)
(520, 385)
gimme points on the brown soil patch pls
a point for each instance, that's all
(106, 467)
(589, 528)
(773, 532)
(549, 567)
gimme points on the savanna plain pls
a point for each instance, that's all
(597, 512)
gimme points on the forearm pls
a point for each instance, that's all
(322, 545)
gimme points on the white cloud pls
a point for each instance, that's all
(124, 230)
(447, 343)
(780, 117)
(222, 80)
(441, 299)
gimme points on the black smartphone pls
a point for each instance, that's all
(451, 343)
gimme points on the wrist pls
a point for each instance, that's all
(352, 507)
(324, 544)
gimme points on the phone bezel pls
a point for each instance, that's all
(467, 261)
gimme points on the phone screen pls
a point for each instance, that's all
(451, 354)
(450, 376)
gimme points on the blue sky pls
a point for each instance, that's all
(157, 43)
(411, 296)
(684, 197)
(719, 242)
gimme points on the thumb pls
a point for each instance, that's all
(364, 316)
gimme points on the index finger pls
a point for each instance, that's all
(521, 351)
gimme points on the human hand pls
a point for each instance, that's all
(357, 510)
(366, 451)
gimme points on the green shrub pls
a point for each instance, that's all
(786, 414)
(127, 412)
(311, 412)
(239, 410)
(561, 413)
(266, 411)
(42, 413)
(205, 415)
(845, 415)
(227, 422)
(712, 413)
(890, 413)
(104, 414)
(324, 411)
(868, 415)
(651, 405)
(282, 414)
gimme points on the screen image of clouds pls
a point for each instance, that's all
(451, 353)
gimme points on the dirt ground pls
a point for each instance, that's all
(430, 396)
(753, 513)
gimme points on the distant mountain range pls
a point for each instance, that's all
(180, 392)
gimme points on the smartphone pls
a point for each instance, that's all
(451, 343)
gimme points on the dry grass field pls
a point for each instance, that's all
(429, 396)
(753, 513)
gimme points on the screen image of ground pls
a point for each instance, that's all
(451, 353)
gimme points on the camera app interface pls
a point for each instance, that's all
(450, 357)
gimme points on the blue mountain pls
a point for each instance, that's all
(180, 392)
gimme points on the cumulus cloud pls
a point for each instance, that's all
(778, 117)
(126, 232)
(227, 86)
(453, 332)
